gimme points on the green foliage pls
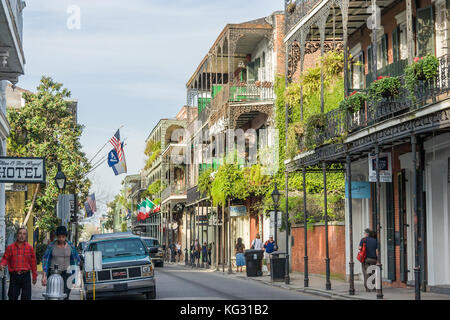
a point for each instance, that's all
(354, 102)
(383, 87)
(155, 188)
(205, 181)
(256, 182)
(314, 125)
(424, 68)
(295, 137)
(229, 183)
(40, 251)
(45, 128)
(152, 150)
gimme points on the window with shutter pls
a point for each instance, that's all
(425, 31)
(396, 44)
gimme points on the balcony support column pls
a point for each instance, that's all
(327, 254)
(374, 40)
(203, 231)
(416, 219)
(344, 10)
(350, 224)
(207, 235)
(217, 255)
(305, 230)
(378, 204)
(302, 65)
(409, 31)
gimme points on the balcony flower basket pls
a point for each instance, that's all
(291, 7)
(354, 102)
(384, 87)
(422, 69)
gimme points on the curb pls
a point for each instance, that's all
(318, 292)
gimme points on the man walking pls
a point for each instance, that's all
(371, 244)
(21, 261)
(62, 253)
(270, 246)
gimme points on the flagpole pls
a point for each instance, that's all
(103, 146)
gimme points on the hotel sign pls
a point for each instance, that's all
(22, 170)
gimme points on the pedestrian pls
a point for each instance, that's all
(192, 254)
(178, 248)
(257, 243)
(21, 261)
(239, 251)
(197, 250)
(172, 252)
(205, 252)
(62, 253)
(371, 244)
(209, 252)
(269, 246)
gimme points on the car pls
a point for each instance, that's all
(126, 267)
(156, 250)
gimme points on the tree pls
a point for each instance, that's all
(45, 128)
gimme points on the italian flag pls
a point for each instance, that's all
(144, 209)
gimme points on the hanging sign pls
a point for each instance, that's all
(279, 218)
(16, 187)
(360, 190)
(22, 170)
(385, 167)
(238, 211)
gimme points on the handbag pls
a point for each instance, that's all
(362, 254)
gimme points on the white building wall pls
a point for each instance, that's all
(438, 203)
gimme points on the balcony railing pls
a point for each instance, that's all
(394, 69)
(297, 10)
(174, 189)
(243, 92)
(339, 122)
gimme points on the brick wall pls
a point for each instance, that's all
(316, 249)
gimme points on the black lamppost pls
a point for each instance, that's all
(275, 198)
(60, 179)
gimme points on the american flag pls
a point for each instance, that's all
(91, 202)
(115, 141)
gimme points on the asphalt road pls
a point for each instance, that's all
(179, 283)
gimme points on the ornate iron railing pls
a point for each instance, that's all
(254, 91)
(340, 122)
(297, 9)
(394, 69)
(173, 189)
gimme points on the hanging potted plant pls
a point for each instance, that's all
(354, 102)
(422, 69)
(384, 87)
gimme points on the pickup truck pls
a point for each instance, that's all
(126, 267)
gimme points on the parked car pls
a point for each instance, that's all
(126, 267)
(156, 250)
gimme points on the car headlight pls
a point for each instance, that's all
(147, 270)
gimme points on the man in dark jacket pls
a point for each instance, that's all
(372, 253)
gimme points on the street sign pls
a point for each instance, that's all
(385, 167)
(65, 208)
(16, 187)
(93, 261)
(238, 211)
(272, 218)
(25, 170)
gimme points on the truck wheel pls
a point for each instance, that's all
(151, 295)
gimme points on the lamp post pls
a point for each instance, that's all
(60, 179)
(275, 198)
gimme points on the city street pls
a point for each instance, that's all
(180, 283)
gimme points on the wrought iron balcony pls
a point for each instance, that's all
(339, 122)
(394, 69)
(174, 189)
(297, 9)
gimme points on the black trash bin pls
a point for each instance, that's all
(253, 262)
(277, 266)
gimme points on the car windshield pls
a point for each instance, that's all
(151, 242)
(119, 248)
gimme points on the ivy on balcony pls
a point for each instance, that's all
(152, 151)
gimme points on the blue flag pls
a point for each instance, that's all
(89, 212)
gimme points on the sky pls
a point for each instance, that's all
(126, 62)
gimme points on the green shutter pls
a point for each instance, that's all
(390, 230)
(425, 31)
(384, 53)
(396, 44)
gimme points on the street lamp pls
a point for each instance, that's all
(60, 179)
(276, 198)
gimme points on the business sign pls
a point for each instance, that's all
(279, 218)
(360, 190)
(25, 170)
(16, 187)
(238, 211)
(385, 167)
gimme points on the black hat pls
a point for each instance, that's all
(61, 231)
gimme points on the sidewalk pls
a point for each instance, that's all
(339, 288)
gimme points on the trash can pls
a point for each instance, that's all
(277, 266)
(253, 261)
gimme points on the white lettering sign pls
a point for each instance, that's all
(29, 170)
(385, 164)
(374, 280)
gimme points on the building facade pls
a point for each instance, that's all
(393, 149)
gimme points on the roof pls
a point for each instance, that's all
(115, 235)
